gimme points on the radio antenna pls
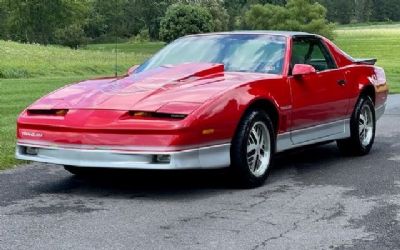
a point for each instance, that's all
(116, 56)
(116, 37)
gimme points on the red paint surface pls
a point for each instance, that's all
(212, 99)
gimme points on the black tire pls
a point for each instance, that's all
(239, 162)
(354, 145)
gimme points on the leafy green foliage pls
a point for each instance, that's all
(356, 11)
(125, 18)
(385, 10)
(72, 36)
(339, 10)
(3, 20)
(62, 21)
(183, 19)
(148, 14)
(220, 16)
(36, 21)
(143, 36)
(296, 15)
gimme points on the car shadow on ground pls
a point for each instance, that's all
(183, 183)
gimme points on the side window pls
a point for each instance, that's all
(312, 52)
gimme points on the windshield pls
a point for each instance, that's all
(238, 52)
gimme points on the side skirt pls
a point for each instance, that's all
(313, 135)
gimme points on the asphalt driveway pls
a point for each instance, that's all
(314, 199)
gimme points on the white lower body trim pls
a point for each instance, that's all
(211, 157)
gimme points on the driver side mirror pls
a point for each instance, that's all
(132, 69)
(300, 70)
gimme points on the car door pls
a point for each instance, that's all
(319, 101)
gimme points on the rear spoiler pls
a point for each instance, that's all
(371, 61)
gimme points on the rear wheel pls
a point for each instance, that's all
(252, 149)
(362, 127)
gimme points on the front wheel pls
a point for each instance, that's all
(362, 128)
(252, 149)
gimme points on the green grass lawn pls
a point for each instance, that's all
(139, 48)
(27, 72)
(17, 94)
(30, 71)
(32, 61)
(377, 41)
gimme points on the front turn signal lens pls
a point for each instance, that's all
(140, 114)
(61, 112)
(208, 131)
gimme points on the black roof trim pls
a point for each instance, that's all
(259, 32)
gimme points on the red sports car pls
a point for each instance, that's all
(211, 101)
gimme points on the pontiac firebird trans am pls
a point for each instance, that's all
(211, 101)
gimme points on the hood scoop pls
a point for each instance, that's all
(163, 77)
(124, 93)
(177, 73)
(166, 76)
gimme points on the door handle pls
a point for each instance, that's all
(341, 82)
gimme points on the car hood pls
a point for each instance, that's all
(192, 83)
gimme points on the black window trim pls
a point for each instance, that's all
(330, 60)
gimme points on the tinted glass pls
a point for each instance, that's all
(239, 53)
(311, 52)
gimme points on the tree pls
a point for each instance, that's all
(363, 10)
(183, 19)
(386, 10)
(146, 14)
(125, 18)
(263, 2)
(217, 9)
(234, 8)
(3, 19)
(38, 20)
(340, 11)
(218, 12)
(296, 15)
(72, 36)
(107, 19)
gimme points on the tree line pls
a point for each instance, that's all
(74, 22)
(361, 11)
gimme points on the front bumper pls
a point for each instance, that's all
(210, 157)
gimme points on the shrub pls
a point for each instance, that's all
(182, 19)
(218, 12)
(143, 36)
(72, 36)
(296, 15)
